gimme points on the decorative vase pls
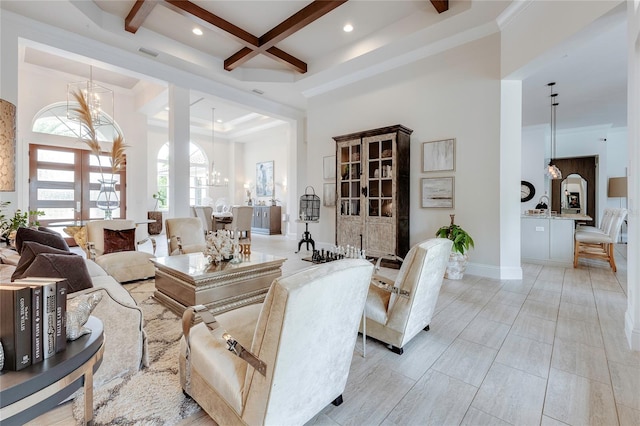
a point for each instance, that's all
(107, 197)
(456, 266)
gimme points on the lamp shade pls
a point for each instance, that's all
(617, 187)
(7, 146)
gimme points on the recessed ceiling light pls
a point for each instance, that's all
(347, 28)
(197, 31)
(218, 121)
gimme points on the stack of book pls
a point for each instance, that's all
(33, 320)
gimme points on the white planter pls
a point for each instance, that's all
(456, 266)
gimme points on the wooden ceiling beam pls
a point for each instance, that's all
(137, 15)
(285, 58)
(200, 15)
(440, 5)
(292, 24)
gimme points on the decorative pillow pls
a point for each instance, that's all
(52, 265)
(47, 238)
(78, 311)
(30, 249)
(116, 240)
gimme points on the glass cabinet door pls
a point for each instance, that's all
(349, 182)
(380, 178)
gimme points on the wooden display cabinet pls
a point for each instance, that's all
(372, 206)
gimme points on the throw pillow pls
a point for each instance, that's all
(52, 265)
(78, 311)
(116, 240)
(51, 239)
(30, 249)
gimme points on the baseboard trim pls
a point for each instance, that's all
(633, 335)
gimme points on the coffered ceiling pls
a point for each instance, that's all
(386, 34)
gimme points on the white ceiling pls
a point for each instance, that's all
(590, 69)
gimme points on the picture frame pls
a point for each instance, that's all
(438, 192)
(439, 156)
(329, 195)
(329, 167)
(264, 179)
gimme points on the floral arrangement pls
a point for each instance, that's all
(219, 246)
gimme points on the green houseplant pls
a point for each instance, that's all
(462, 242)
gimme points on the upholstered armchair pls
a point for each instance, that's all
(598, 243)
(112, 244)
(299, 344)
(184, 235)
(398, 310)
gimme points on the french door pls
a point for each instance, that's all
(64, 184)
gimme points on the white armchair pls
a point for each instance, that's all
(303, 337)
(126, 265)
(398, 310)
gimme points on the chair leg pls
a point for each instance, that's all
(612, 260)
(426, 328)
(576, 251)
(395, 349)
(337, 401)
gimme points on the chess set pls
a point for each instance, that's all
(335, 253)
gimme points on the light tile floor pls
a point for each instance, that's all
(546, 350)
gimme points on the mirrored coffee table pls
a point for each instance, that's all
(187, 280)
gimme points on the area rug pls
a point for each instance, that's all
(151, 396)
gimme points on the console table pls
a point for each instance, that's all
(29, 393)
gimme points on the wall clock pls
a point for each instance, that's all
(527, 191)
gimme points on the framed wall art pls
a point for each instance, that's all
(438, 192)
(264, 179)
(329, 195)
(439, 156)
(329, 167)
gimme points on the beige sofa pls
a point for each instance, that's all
(125, 341)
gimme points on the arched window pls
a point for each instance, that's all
(52, 120)
(198, 170)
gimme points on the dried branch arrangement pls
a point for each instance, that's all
(88, 135)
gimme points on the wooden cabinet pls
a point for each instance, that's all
(266, 220)
(372, 176)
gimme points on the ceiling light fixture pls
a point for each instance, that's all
(552, 170)
(347, 28)
(214, 177)
(99, 100)
(197, 31)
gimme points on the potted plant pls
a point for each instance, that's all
(462, 242)
(9, 225)
(155, 228)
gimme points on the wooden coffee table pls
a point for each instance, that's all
(187, 280)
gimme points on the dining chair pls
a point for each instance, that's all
(205, 214)
(597, 244)
(241, 222)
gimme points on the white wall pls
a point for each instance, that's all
(455, 94)
(269, 145)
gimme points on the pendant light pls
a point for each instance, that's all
(552, 170)
(215, 176)
(99, 100)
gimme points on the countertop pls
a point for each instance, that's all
(564, 216)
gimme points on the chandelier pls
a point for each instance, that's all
(552, 170)
(99, 100)
(215, 177)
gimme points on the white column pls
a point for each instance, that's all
(632, 316)
(510, 176)
(179, 135)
